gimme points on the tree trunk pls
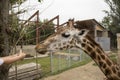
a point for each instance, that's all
(4, 38)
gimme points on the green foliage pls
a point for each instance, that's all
(16, 1)
(112, 20)
(40, 0)
(28, 34)
(44, 29)
(15, 30)
(48, 29)
(20, 1)
(30, 30)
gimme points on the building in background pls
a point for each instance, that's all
(97, 31)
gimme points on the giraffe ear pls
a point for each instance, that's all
(83, 32)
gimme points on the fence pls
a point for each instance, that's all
(25, 72)
(57, 62)
(67, 59)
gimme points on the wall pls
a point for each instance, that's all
(104, 42)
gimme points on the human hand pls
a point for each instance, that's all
(21, 54)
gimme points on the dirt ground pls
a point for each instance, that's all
(86, 72)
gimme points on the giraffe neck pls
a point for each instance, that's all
(108, 67)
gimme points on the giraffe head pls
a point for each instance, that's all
(64, 38)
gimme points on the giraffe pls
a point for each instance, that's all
(68, 37)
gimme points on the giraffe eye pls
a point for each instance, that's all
(65, 35)
(81, 32)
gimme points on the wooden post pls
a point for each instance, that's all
(37, 28)
(95, 31)
(118, 41)
(58, 21)
(118, 47)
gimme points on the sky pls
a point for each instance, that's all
(66, 9)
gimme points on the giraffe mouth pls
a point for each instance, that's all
(41, 51)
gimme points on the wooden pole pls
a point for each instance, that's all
(37, 29)
(118, 47)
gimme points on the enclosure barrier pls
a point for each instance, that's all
(25, 72)
(66, 59)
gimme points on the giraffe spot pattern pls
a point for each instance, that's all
(59, 44)
(71, 46)
(84, 40)
(109, 62)
(55, 45)
(93, 55)
(61, 48)
(64, 43)
(67, 46)
(117, 67)
(119, 74)
(101, 63)
(113, 69)
(83, 45)
(114, 78)
(91, 45)
(64, 47)
(71, 41)
(85, 51)
(111, 79)
(98, 57)
(103, 56)
(98, 50)
(108, 71)
(89, 48)
(104, 65)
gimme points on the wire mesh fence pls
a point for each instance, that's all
(63, 60)
(55, 62)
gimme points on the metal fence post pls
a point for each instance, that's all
(69, 63)
(59, 62)
(81, 53)
(51, 62)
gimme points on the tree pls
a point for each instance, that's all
(4, 39)
(4, 35)
(113, 16)
(112, 20)
(44, 29)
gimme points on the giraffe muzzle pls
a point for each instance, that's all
(40, 49)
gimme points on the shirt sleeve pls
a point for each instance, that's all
(1, 61)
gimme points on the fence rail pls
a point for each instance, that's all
(25, 72)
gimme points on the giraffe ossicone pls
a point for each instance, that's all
(68, 37)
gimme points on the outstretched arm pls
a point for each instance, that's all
(13, 58)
